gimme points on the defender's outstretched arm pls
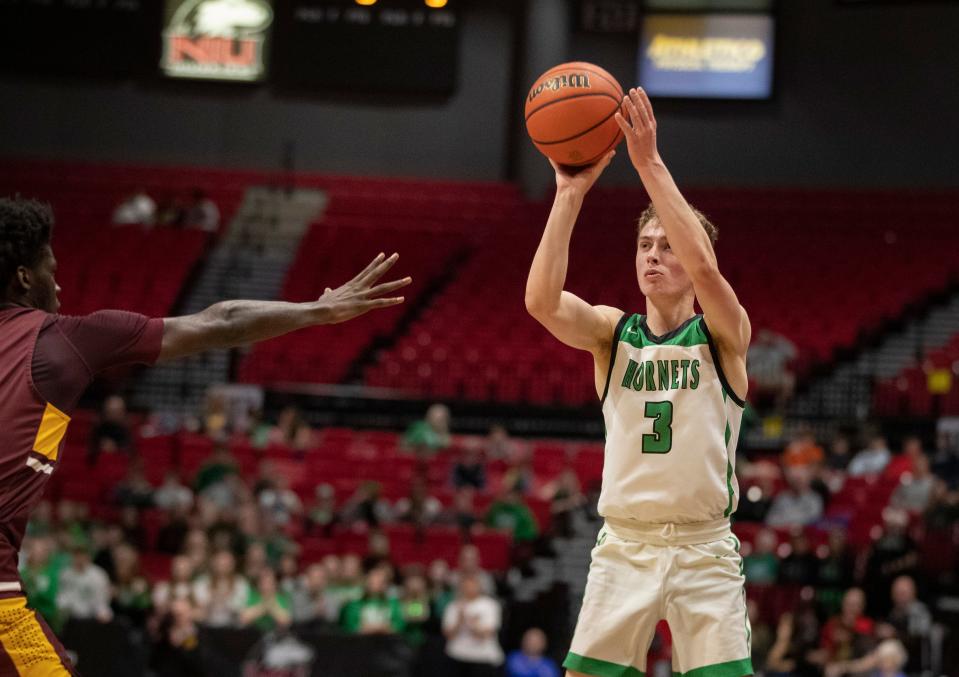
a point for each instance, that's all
(235, 323)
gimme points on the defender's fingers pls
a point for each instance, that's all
(387, 287)
(381, 269)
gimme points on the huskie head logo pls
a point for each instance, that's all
(216, 39)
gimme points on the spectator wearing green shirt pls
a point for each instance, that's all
(216, 469)
(267, 608)
(762, 566)
(415, 607)
(510, 513)
(432, 434)
(375, 613)
(41, 577)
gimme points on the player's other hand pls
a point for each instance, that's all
(359, 295)
(580, 179)
(639, 129)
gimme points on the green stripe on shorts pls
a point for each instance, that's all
(740, 668)
(594, 666)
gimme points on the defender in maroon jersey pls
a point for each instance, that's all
(47, 360)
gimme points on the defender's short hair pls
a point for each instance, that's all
(649, 214)
(25, 229)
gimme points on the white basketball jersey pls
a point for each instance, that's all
(672, 423)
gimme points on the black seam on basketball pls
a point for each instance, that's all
(568, 98)
(585, 131)
(616, 140)
(599, 75)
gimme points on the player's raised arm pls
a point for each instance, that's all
(725, 317)
(567, 317)
(234, 323)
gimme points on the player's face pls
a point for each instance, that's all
(43, 288)
(657, 268)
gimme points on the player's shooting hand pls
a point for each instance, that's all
(580, 179)
(639, 129)
(359, 295)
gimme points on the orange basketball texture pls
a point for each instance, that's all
(569, 113)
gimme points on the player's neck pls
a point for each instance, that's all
(664, 315)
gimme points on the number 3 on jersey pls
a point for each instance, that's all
(661, 441)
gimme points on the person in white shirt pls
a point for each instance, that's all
(872, 460)
(222, 594)
(172, 493)
(137, 208)
(84, 589)
(471, 626)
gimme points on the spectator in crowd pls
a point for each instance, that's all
(255, 560)
(498, 444)
(103, 539)
(840, 454)
(762, 565)
(761, 636)
(430, 435)
(137, 209)
(84, 591)
(415, 608)
(278, 503)
(519, 473)
(377, 551)
(800, 565)
(803, 452)
(202, 212)
(768, 365)
(469, 565)
(471, 626)
(376, 612)
(196, 548)
(292, 430)
(893, 554)
(267, 607)
(179, 586)
(530, 660)
(462, 513)
(438, 577)
(131, 592)
(905, 461)
(215, 420)
(872, 460)
(834, 572)
(469, 469)
(311, 602)
(172, 494)
(419, 508)
(173, 531)
(910, 620)
(134, 489)
(755, 502)
(346, 584)
(796, 638)
(943, 509)
(915, 487)
(321, 515)
(178, 651)
(798, 505)
(848, 635)
(221, 595)
(510, 513)
(40, 572)
(216, 469)
(565, 497)
(886, 660)
(945, 460)
(132, 527)
(367, 507)
(112, 432)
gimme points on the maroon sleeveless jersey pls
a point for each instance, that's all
(36, 373)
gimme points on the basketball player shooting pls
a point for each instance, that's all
(671, 384)
(47, 361)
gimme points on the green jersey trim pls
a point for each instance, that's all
(689, 333)
(714, 351)
(617, 332)
(744, 666)
(594, 666)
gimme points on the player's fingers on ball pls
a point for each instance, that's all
(647, 105)
(621, 121)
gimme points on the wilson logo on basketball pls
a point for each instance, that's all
(554, 84)
(216, 39)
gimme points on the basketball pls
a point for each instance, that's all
(569, 113)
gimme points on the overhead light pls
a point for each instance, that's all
(435, 4)
(365, 3)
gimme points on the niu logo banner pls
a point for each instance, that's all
(216, 39)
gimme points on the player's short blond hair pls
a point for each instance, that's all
(649, 214)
